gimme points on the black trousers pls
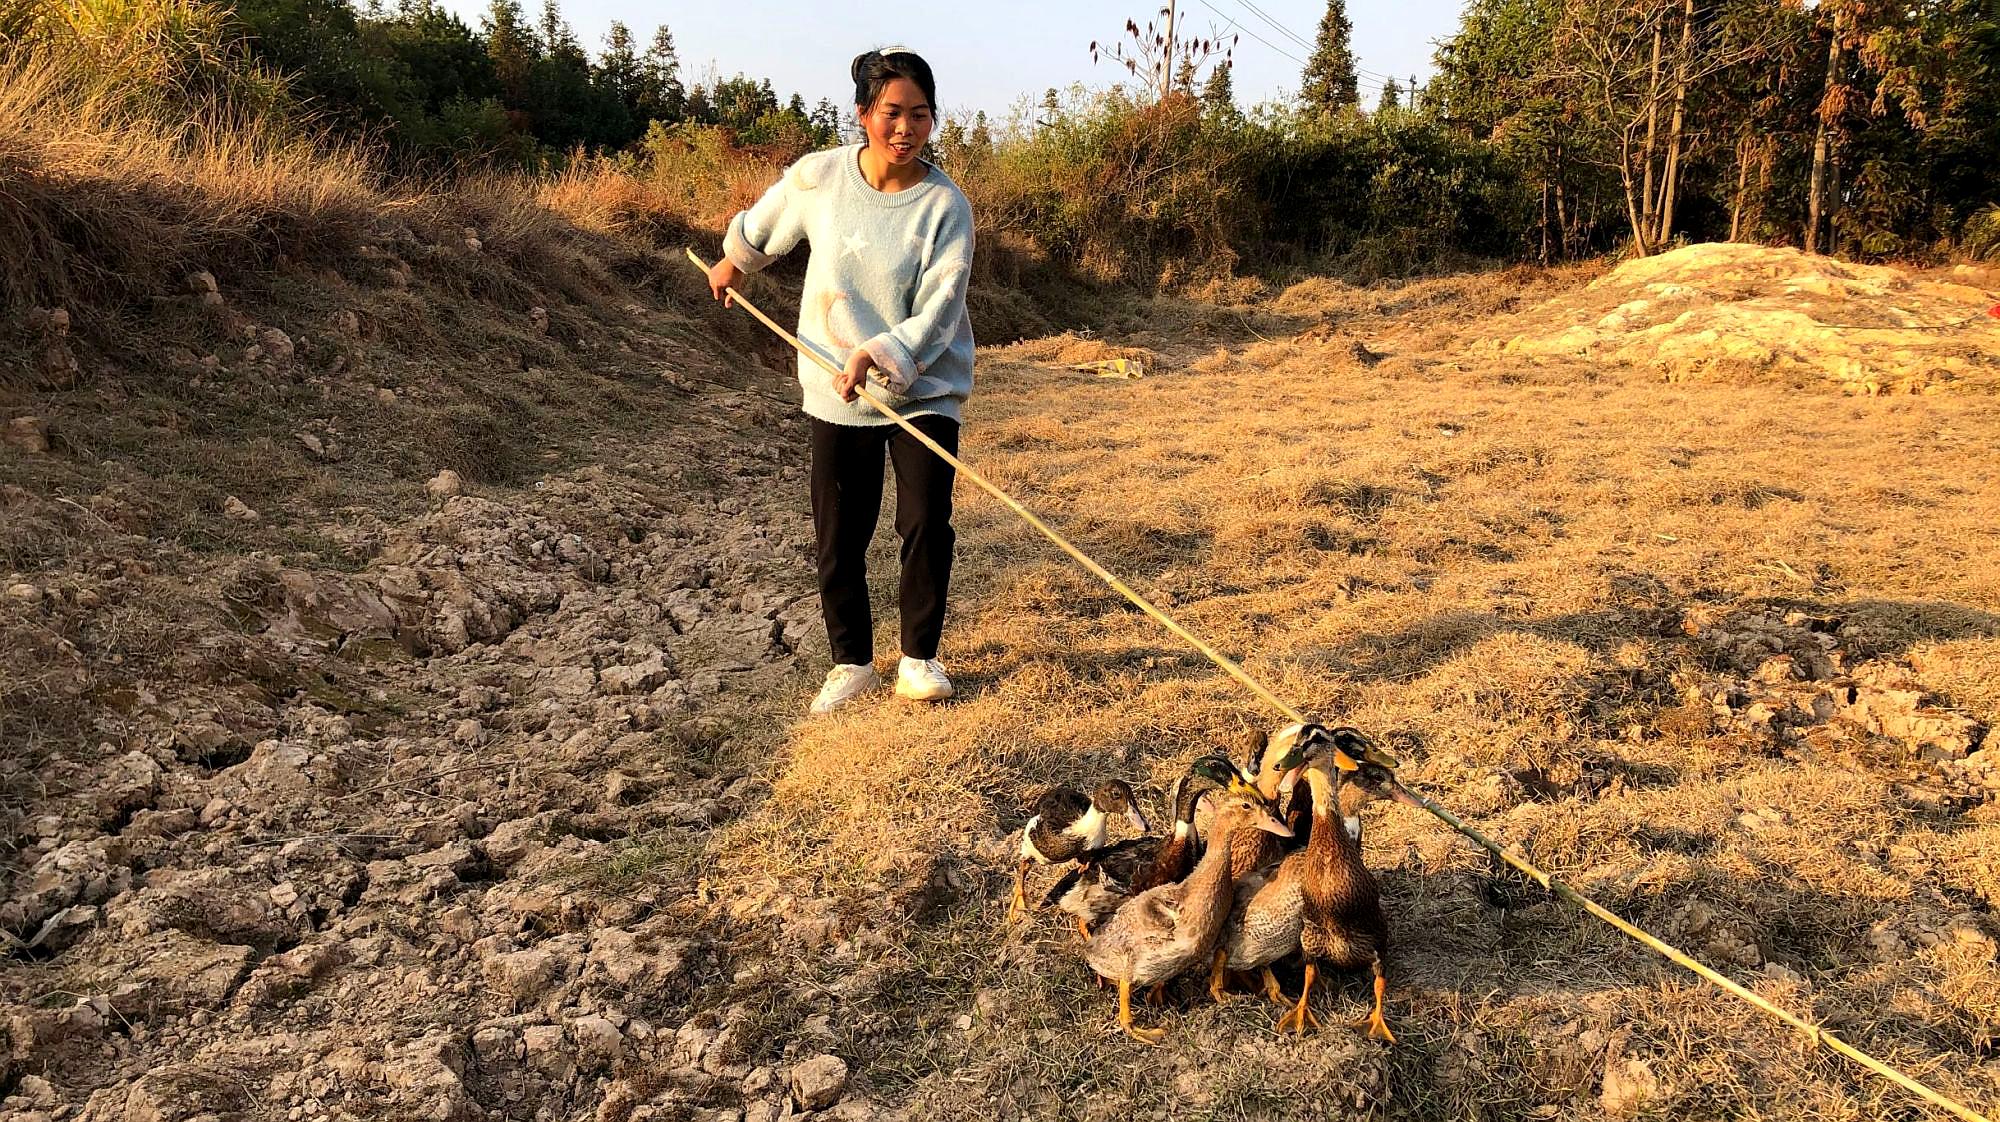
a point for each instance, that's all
(847, 502)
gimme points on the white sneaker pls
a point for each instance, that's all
(922, 680)
(844, 683)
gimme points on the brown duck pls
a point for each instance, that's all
(1343, 924)
(1271, 902)
(1163, 932)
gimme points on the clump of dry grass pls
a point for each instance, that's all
(1069, 349)
(697, 173)
(109, 202)
(598, 195)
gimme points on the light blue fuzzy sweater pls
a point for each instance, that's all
(887, 274)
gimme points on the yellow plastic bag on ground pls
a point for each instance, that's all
(1113, 368)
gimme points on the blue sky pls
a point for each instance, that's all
(988, 55)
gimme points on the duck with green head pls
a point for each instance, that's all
(1065, 825)
(1104, 878)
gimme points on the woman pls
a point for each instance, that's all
(884, 298)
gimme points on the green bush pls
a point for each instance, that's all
(1981, 240)
(1168, 193)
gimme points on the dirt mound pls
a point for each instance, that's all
(1723, 311)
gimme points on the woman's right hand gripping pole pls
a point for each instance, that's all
(723, 276)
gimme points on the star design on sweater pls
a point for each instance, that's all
(855, 243)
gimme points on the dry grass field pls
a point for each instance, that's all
(490, 797)
(1618, 622)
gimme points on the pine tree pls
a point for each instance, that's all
(951, 138)
(1051, 109)
(661, 95)
(618, 68)
(1328, 84)
(1218, 94)
(512, 47)
(556, 35)
(445, 60)
(1392, 97)
(981, 139)
(1184, 77)
(826, 121)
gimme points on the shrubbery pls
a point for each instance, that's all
(1174, 191)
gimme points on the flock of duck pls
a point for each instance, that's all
(1280, 873)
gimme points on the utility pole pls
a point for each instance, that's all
(1167, 60)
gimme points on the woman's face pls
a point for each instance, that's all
(899, 123)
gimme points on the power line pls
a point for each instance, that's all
(1293, 36)
(1265, 16)
(1252, 34)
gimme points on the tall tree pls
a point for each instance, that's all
(556, 36)
(826, 121)
(1328, 84)
(1218, 94)
(511, 45)
(661, 95)
(951, 139)
(1392, 97)
(443, 57)
(618, 67)
(1833, 109)
(1630, 63)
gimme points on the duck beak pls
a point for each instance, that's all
(1290, 780)
(1137, 819)
(1269, 823)
(1404, 795)
(1356, 743)
(1344, 762)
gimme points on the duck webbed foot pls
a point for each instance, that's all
(1301, 1017)
(1218, 978)
(1378, 1028)
(1143, 1036)
(1271, 988)
(1083, 928)
(1018, 907)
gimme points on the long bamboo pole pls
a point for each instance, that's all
(1815, 1034)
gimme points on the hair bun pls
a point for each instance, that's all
(860, 60)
